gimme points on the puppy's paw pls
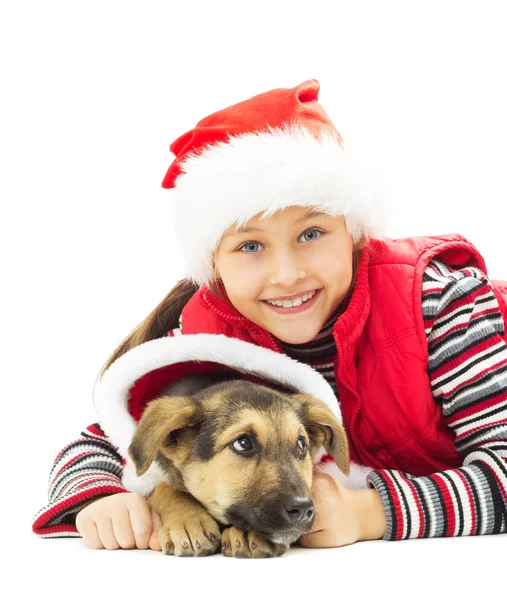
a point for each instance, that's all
(195, 537)
(248, 544)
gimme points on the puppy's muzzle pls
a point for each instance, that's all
(299, 510)
(290, 515)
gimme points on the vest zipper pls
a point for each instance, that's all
(273, 343)
(362, 455)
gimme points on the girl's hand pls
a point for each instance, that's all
(124, 520)
(342, 515)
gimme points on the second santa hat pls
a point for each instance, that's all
(272, 151)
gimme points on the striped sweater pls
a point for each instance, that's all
(462, 321)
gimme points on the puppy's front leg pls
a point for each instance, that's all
(187, 528)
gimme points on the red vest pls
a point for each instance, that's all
(389, 413)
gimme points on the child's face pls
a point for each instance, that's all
(286, 257)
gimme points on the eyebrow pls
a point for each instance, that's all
(306, 217)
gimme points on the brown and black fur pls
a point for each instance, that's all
(251, 497)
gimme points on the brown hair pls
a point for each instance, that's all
(164, 317)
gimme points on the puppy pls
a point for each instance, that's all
(238, 460)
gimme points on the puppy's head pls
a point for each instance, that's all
(244, 451)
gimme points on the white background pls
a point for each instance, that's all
(92, 95)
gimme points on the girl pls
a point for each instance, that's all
(283, 250)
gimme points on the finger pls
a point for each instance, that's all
(316, 539)
(319, 522)
(154, 543)
(142, 524)
(106, 534)
(122, 529)
(90, 535)
(322, 476)
(318, 478)
(319, 536)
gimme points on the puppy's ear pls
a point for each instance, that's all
(160, 419)
(323, 429)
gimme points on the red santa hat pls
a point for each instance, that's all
(139, 375)
(272, 151)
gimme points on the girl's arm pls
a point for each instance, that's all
(85, 470)
(462, 320)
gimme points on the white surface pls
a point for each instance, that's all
(93, 94)
(453, 568)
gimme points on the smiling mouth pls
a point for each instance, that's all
(304, 306)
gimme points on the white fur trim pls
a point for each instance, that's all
(356, 480)
(144, 484)
(112, 391)
(234, 181)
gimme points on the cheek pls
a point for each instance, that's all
(219, 482)
(340, 281)
(332, 261)
(336, 281)
(241, 280)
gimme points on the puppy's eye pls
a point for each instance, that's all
(301, 445)
(243, 444)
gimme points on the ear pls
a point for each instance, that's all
(323, 429)
(162, 417)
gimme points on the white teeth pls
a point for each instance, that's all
(290, 303)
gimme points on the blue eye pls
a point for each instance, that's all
(254, 243)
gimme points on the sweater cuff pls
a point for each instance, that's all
(392, 506)
(57, 519)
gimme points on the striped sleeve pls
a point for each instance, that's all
(85, 470)
(468, 376)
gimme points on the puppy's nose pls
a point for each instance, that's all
(298, 509)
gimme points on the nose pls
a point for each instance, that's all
(286, 271)
(299, 510)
